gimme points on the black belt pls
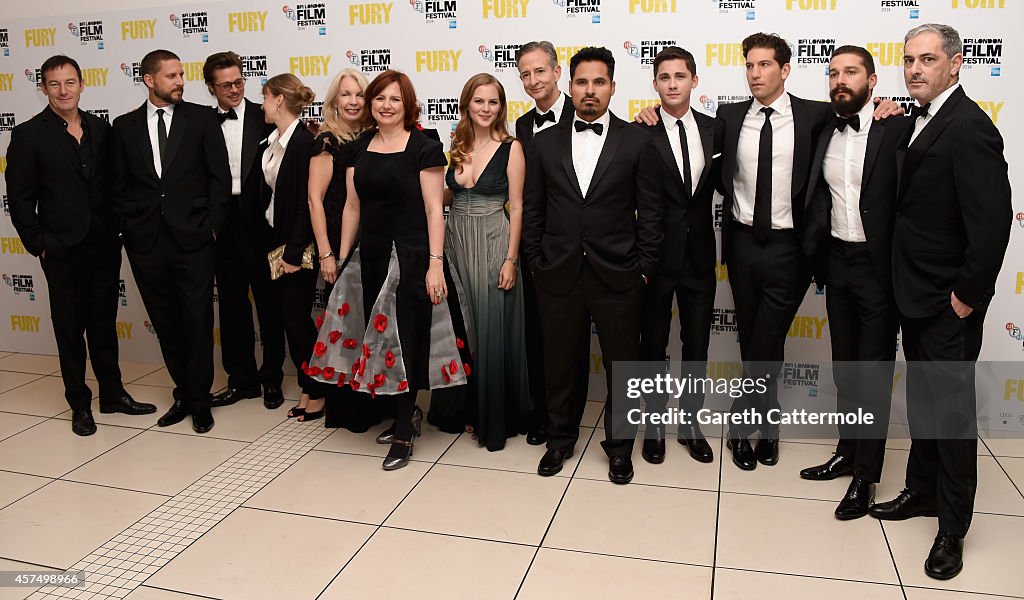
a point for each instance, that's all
(848, 245)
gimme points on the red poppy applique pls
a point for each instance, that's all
(334, 336)
(343, 310)
(319, 349)
(350, 343)
(389, 359)
(461, 344)
(328, 373)
(380, 323)
(403, 385)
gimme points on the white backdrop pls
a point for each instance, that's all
(440, 43)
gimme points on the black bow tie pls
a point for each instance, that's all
(842, 122)
(223, 116)
(920, 111)
(539, 119)
(598, 128)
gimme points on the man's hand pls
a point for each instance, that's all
(648, 116)
(886, 108)
(961, 309)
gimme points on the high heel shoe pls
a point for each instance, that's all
(310, 416)
(398, 456)
(417, 421)
(386, 436)
(295, 412)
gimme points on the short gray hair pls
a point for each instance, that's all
(951, 42)
(546, 46)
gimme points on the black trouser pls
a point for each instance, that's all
(768, 284)
(564, 316)
(941, 403)
(177, 289)
(82, 283)
(241, 265)
(295, 294)
(863, 321)
(694, 292)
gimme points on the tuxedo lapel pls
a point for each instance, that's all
(141, 134)
(528, 130)
(611, 144)
(252, 133)
(568, 110)
(875, 137)
(801, 143)
(707, 142)
(565, 152)
(732, 142)
(179, 126)
(818, 162)
(664, 147)
(931, 132)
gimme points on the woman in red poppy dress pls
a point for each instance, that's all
(393, 324)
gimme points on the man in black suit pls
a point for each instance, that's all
(171, 186)
(242, 246)
(851, 204)
(687, 142)
(58, 186)
(539, 71)
(950, 235)
(592, 231)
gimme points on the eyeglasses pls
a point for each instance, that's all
(226, 87)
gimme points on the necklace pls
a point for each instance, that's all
(486, 144)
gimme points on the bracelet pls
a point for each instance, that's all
(436, 256)
(326, 256)
(514, 261)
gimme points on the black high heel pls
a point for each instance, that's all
(398, 456)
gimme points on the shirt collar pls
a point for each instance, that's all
(939, 100)
(780, 106)
(151, 109)
(556, 107)
(239, 110)
(671, 122)
(283, 139)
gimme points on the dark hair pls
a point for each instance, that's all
(865, 56)
(151, 62)
(675, 53)
(220, 60)
(58, 61)
(771, 41)
(592, 53)
(386, 78)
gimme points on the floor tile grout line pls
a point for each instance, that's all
(44, 419)
(892, 556)
(2, 507)
(156, 587)
(806, 576)
(718, 510)
(1012, 482)
(986, 594)
(113, 487)
(34, 564)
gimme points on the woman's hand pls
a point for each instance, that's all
(507, 276)
(436, 288)
(329, 268)
(286, 267)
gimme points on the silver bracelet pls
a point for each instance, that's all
(436, 256)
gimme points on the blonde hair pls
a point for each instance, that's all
(296, 95)
(464, 138)
(333, 123)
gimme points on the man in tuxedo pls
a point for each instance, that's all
(539, 71)
(58, 186)
(851, 204)
(950, 235)
(171, 186)
(592, 232)
(687, 142)
(242, 246)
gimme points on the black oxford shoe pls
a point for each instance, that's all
(202, 420)
(620, 469)
(82, 423)
(907, 505)
(176, 414)
(654, 447)
(536, 437)
(229, 396)
(855, 503)
(700, 449)
(272, 396)
(835, 467)
(742, 453)
(767, 450)
(946, 558)
(127, 405)
(552, 461)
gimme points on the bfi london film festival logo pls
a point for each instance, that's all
(133, 71)
(122, 292)
(646, 50)
(984, 52)
(308, 17)
(502, 57)
(34, 76)
(913, 7)
(805, 375)
(7, 122)
(21, 285)
(813, 52)
(87, 33)
(439, 112)
(5, 42)
(748, 8)
(314, 112)
(581, 8)
(6, 204)
(102, 113)
(370, 60)
(193, 24)
(1015, 332)
(254, 66)
(437, 11)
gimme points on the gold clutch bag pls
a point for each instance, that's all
(278, 253)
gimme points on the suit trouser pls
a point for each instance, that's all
(942, 412)
(177, 289)
(83, 284)
(564, 316)
(241, 265)
(295, 294)
(768, 284)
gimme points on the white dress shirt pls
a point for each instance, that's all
(693, 145)
(272, 156)
(232, 129)
(844, 170)
(154, 141)
(922, 122)
(586, 149)
(745, 178)
(556, 108)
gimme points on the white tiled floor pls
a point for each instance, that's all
(262, 507)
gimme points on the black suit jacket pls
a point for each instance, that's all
(254, 135)
(292, 225)
(809, 117)
(877, 199)
(617, 225)
(54, 201)
(192, 194)
(953, 215)
(688, 217)
(524, 124)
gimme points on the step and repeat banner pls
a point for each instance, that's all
(441, 43)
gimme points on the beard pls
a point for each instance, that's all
(168, 96)
(851, 105)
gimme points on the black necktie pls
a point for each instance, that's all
(597, 128)
(842, 122)
(763, 189)
(687, 177)
(161, 134)
(920, 111)
(539, 119)
(224, 116)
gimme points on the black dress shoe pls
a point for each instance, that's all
(654, 447)
(552, 461)
(858, 498)
(229, 396)
(946, 558)
(202, 420)
(700, 449)
(767, 450)
(176, 414)
(620, 468)
(837, 466)
(272, 396)
(905, 506)
(82, 423)
(127, 405)
(536, 437)
(742, 453)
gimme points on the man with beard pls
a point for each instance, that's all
(171, 185)
(851, 203)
